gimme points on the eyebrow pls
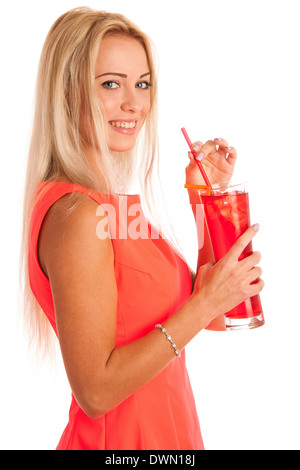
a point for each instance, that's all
(121, 75)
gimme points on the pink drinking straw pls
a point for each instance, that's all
(195, 154)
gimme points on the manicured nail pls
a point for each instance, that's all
(228, 148)
(196, 147)
(200, 156)
(219, 139)
(256, 226)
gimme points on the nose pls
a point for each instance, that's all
(131, 102)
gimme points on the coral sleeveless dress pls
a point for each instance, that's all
(153, 281)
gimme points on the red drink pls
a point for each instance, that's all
(228, 217)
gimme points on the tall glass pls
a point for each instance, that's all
(227, 214)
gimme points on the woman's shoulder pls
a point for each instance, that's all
(65, 195)
(71, 220)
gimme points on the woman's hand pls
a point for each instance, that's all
(225, 284)
(218, 160)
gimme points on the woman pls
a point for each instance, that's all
(117, 301)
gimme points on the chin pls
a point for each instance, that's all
(121, 149)
(126, 147)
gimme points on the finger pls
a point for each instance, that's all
(208, 147)
(232, 154)
(254, 274)
(222, 145)
(256, 288)
(241, 243)
(250, 261)
(221, 142)
(229, 150)
(197, 146)
(192, 162)
(210, 264)
(196, 150)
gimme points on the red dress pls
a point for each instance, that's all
(153, 281)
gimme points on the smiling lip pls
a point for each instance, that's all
(122, 130)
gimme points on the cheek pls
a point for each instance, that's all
(147, 106)
(108, 103)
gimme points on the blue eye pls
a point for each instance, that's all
(110, 85)
(143, 85)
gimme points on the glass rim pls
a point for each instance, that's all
(217, 188)
(229, 184)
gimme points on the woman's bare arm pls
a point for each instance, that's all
(80, 268)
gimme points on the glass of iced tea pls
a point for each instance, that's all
(226, 208)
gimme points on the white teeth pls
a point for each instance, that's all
(124, 125)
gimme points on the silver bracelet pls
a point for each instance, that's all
(168, 337)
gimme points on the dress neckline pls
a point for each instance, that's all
(76, 184)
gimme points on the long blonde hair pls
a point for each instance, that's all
(65, 86)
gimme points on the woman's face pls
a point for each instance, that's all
(123, 86)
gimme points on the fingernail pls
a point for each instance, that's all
(196, 147)
(219, 139)
(256, 226)
(200, 156)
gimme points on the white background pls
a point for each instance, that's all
(226, 69)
